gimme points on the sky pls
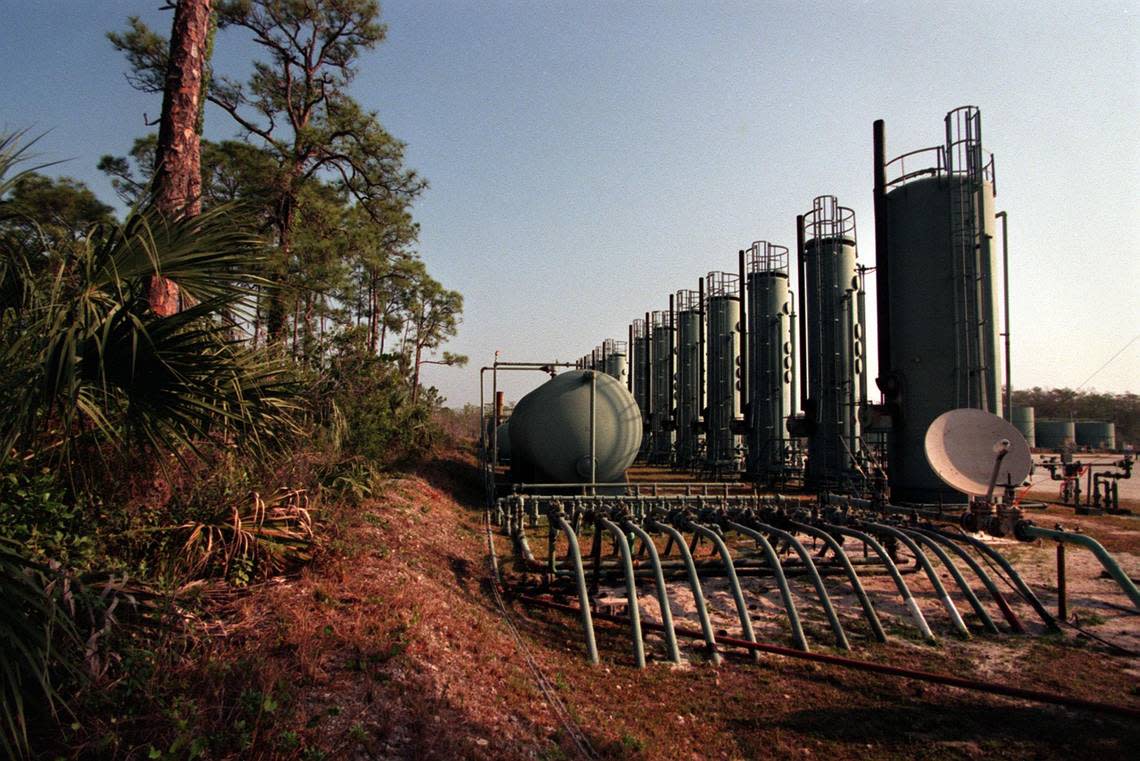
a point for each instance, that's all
(586, 159)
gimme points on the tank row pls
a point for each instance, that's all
(1047, 433)
(742, 375)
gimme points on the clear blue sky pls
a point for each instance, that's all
(588, 158)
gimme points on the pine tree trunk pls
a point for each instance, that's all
(177, 161)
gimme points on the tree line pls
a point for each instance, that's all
(182, 385)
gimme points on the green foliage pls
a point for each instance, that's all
(382, 424)
(36, 513)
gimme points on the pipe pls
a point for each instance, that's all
(662, 590)
(824, 599)
(632, 366)
(781, 582)
(987, 581)
(695, 583)
(803, 311)
(904, 590)
(1014, 577)
(733, 582)
(631, 592)
(1062, 592)
(992, 688)
(701, 348)
(1005, 298)
(583, 593)
(856, 584)
(959, 579)
(1026, 531)
(743, 338)
(882, 261)
(924, 561)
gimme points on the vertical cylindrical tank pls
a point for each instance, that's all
(832, 322)
(941, 300)
(722, 349)
(689, 376)
(1024, 420)
(614, 353)
(639, 366)
(661, 387)
(770, 361)
(1095, 434)
(1055, 434)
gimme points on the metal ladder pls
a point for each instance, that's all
(964, 164)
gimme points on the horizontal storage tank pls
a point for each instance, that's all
(1054, 434)
(1095, 434)
(503, 439)
(550, 430)
(1024, 421)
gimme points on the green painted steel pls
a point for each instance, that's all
(1055, 434)
(550, 430)
(689, 384)
(1024, 419)
(835, 343)
(660, 424)
(931, 574)
(617, 367)
(503, 437)
(817, 582)
(1096, 548)
(1095, 434)
(733, 581)
(662, 590)
(983, 576)
(694, 583)
(583, 592)
(722, 349)
(892, 569)
(630, 591)
(770, 362)
(781, 582)
(959, 579)
(943, 317)
(856, 585)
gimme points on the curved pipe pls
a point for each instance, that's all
(662, 591)
(1093, 546)
(821, 590)
(694, 582)
(781, 582)
(1022, 588)
(631, 592)
(733, 582)
(931, 574)
(904, 590)
(986, 579)
(856, 584)
(583, 592)
(959, 579)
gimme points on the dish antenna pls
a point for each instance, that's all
(972, 451)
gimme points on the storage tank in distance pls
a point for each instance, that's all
(1054, 434)
(1095, 434)
(1024, 419)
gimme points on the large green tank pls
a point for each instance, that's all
(661, 341)
(1055, 434)
(550, 430)
(1024, 419)
(1096, 434)
(690, 381)
(722, 349)
(943, 306)
(833, 326)
(770, 360)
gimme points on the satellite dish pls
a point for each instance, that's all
(963, 445)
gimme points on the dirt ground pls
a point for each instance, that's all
(397, 650)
